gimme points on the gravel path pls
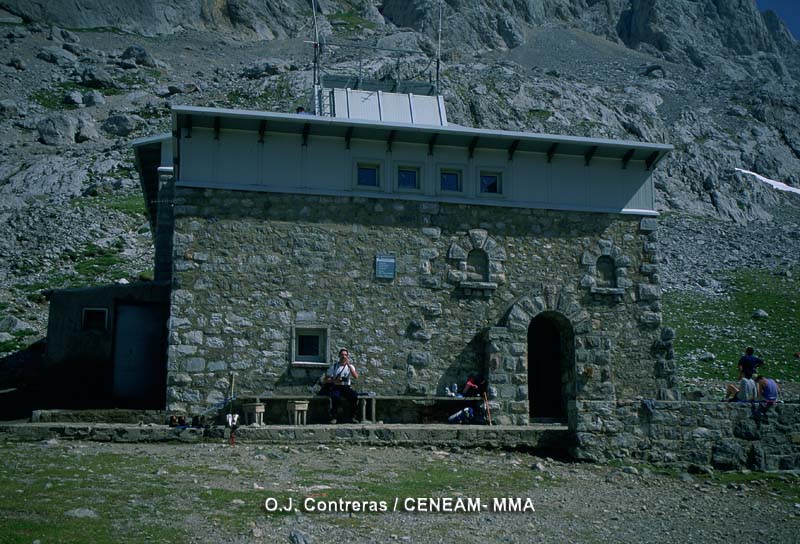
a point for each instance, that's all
(71, 491)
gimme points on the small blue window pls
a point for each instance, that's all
(408, 178)
(368, 175)
(450, 180)
(490, 183)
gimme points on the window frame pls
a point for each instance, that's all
(451, 168)
(487, 173)
(409, 165)
(365, 162)
(310, 329)
(502, 180)
(94, 309)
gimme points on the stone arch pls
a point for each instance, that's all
(551, 355)
(606, 266)
(606, 274)
(586, 374)
(477, 265)
(479, 242)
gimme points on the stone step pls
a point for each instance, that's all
(552, 438)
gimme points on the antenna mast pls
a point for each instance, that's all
(439, 48)
(315, 74)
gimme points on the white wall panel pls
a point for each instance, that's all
(280, 160)
(604, 183)
(325, 166)
(364, 105)
(237, 153)
(568, 183)
(395, 108)
(328, 164)
(198, 157)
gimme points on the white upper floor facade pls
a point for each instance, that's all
(307, 154)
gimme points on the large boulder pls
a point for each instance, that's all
(10, 108)
(64, 129)
(10, 324)
(122, 124)
(86, 129)
(264, 68)
(61, 35)
(57, 55)
(57, 129)
(94, 98)
(139, 55)
(97, 78)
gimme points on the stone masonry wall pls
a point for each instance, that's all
(718, 434)
(248, 267)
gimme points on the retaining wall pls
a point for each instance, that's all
(718, 434)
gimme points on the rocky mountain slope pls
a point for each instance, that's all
(717, 79)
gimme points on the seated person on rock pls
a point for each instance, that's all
(744, 391)
(336, 384)
(767, 392)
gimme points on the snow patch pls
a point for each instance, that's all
(776, 184)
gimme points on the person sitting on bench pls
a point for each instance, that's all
(336, 384)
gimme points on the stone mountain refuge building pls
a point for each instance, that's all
(432, 251)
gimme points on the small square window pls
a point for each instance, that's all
(408, 177)
(94, 319)
(450, 180)
(310, 345)
(491, 183)
(368, 175)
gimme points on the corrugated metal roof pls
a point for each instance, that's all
(382, 106)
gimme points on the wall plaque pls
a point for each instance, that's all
(385, 266)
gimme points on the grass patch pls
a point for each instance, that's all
(723, 326)
(539, 115)
(93, 265)
(785, 487)
(55, 281)
(435, 479)
(131, 204)
(97, 261)
(350, 22)
(34, 499)
(16, 343)
(52, 98)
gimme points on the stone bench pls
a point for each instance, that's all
(367, 404)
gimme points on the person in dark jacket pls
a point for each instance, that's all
(748, 364)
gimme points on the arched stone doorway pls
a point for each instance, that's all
(551, 342)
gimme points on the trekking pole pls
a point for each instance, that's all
(488, 410)
(231, 420)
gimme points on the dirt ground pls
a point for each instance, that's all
(71, 491)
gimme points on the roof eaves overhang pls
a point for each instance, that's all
(147, 156)
(451, 135)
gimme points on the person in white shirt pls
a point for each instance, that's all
(744, 391)
(336, 384)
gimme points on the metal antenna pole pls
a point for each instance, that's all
(439, 48)
(315, 74)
